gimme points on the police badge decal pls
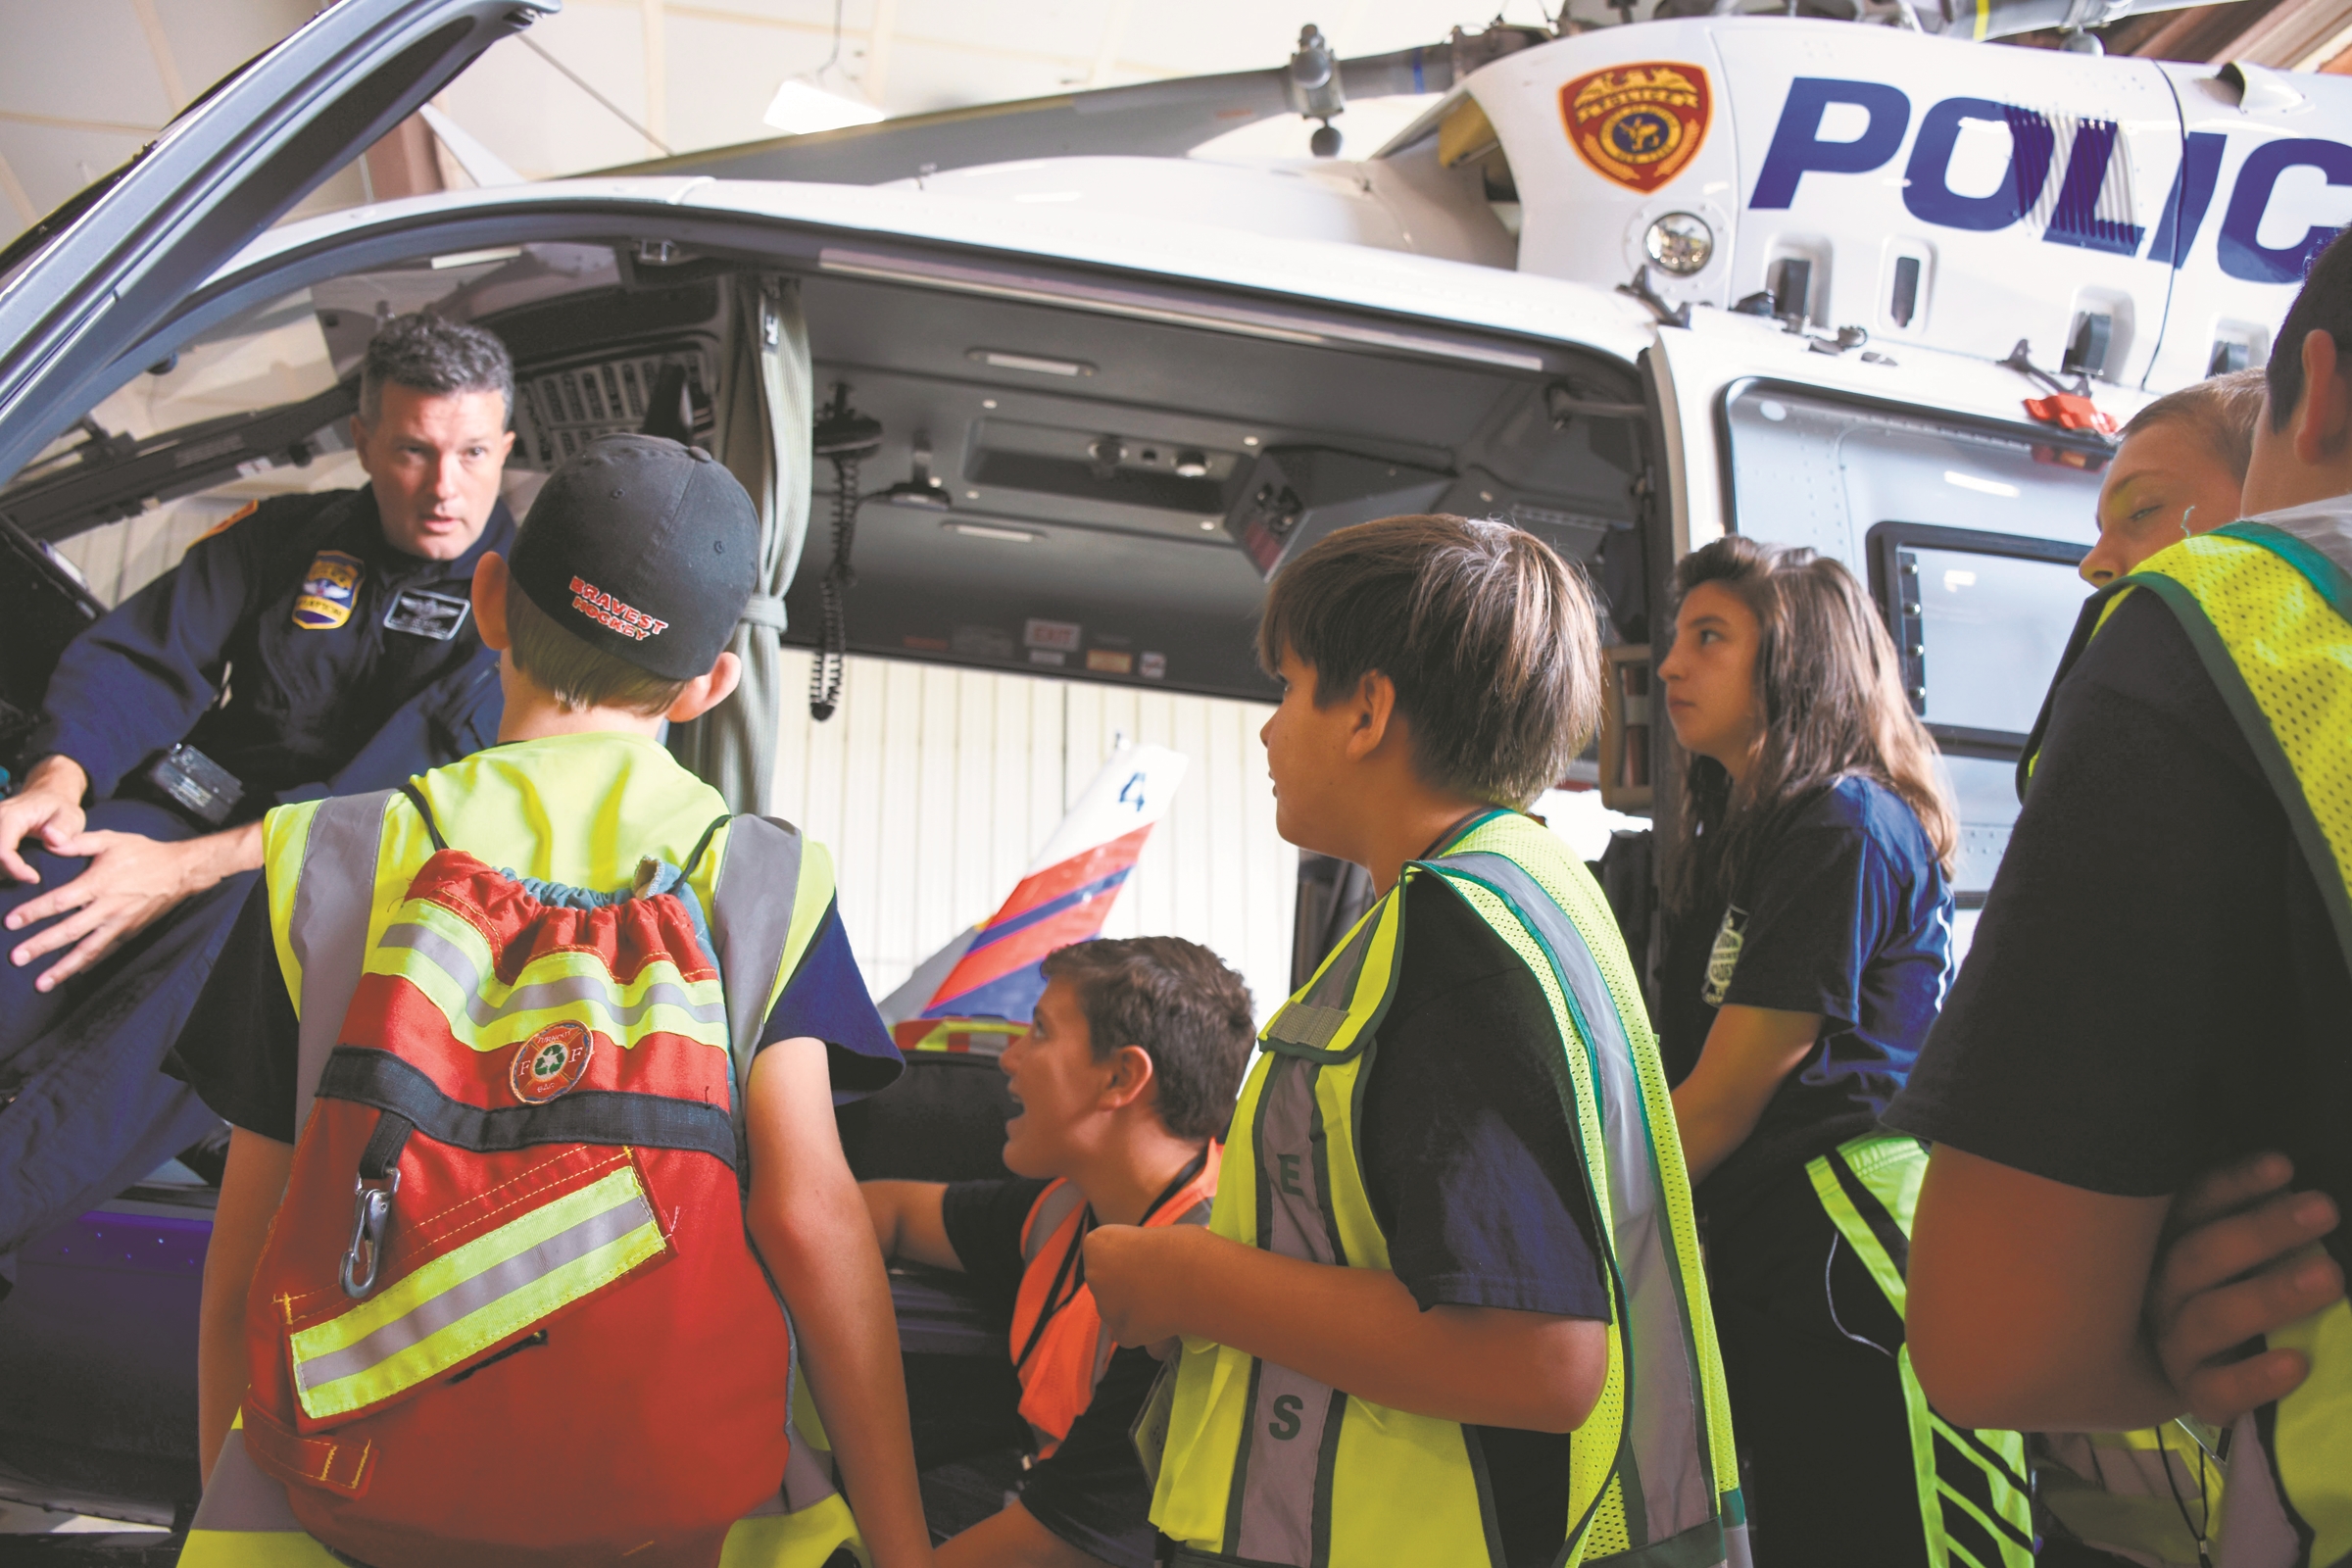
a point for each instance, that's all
(1636, 125)
(328, 591)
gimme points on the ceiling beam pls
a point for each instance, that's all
(18, 197)
(1115, 37)
(159, 43)
(2287, 36)
(109, 128)
(876, 81)
(2196, 35)
(657, 75)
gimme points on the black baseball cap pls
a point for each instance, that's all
(643, 549)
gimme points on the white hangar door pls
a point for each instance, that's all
(934, 787)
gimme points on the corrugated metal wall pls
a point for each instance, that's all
(933, 786)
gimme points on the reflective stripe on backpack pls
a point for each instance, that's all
(589, 1219)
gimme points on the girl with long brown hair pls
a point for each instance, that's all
(1808, 944)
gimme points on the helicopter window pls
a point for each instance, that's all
(1979, 629)
(1969, 535)
(1808, 469)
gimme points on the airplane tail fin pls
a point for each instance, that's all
(984, 985)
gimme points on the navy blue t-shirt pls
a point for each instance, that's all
(1471, 1163)
(1846, 912)
(2157, 985)
(1089, 1492)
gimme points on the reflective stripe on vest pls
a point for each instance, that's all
(1264, 1464)
(2266, 604)
(1972, 1491)
(1059, 1351)
(769, 897)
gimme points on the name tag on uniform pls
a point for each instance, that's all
(419, 614)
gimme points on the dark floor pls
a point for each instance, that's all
(96, 1550)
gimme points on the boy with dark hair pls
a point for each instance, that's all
(2159, 985)
(1123, 1084)
(456, 1025)
(1453, 1238)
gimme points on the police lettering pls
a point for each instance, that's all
(1798, 149)
(601, 606)
(1288, 1181)
(1286, 1422)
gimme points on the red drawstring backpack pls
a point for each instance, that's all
(510, 1311)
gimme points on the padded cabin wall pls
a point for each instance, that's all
(934, 788)
(118, 561)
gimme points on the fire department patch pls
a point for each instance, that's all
(328, 591)
(1638, 124)
(550, 1062)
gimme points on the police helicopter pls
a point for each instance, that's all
(1849, 277)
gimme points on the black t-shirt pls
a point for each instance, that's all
(1471, 1165)
(241, 1047)
(1091, 1491)
(2154, 985)
(1846, 912)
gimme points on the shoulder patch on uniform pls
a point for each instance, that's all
(226, 523)
(328, 591)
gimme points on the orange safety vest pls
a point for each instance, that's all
(1058, 1348)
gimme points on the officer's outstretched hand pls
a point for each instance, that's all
(130, 881)
(2242, 1259)
(49, 806)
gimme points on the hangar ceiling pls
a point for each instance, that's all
(84, 86)
(608, 83)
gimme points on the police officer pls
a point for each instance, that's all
(312, 645)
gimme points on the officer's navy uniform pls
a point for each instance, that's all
(305, 656)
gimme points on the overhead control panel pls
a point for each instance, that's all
(1293, 495)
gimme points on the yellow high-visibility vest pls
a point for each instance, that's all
(1263, 1465)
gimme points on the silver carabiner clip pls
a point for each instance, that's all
(370, 1218)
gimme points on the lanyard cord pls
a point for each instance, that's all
(1072, 1270)
(2195, 1530)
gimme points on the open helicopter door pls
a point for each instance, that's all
(1922, 473)
(83, 284)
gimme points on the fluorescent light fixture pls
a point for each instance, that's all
(801, 106)
(984, 530)
(442, 264)
(1955, 579)
(1982, 487)
(1038, 363)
